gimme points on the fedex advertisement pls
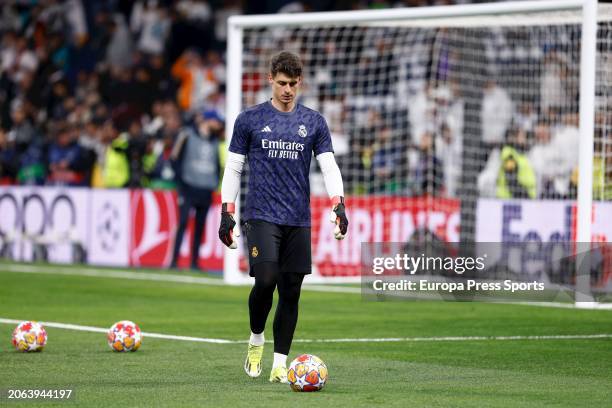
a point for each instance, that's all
(544, 228)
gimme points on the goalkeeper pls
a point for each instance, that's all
(278, 138)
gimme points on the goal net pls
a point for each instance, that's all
(450, 124)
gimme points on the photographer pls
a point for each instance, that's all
(516, 177)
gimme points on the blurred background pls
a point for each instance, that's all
(79, 76)
(440, 130)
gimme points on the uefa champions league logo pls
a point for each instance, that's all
(108, 230)
(302, 131)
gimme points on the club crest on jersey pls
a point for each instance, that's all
(302, 131)
(254, 252)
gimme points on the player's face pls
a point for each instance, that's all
(284, 88)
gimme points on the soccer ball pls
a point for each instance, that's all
(29, 336)
(307, 373)
(124, 336)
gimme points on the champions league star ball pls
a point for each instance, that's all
(124, 336)
(307, 373)
(29, 336)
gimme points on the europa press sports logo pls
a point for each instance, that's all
(154, 217)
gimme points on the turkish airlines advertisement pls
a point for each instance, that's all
(377, 219)
(154, 223)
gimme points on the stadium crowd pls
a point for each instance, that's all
(96, 93)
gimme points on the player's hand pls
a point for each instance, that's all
(226, 229)
(338, 217)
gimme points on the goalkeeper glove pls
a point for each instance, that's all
(338, 217)
(226, 229)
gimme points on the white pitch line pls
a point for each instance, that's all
(109, 273)
(68, 326)
(92, 329)
(455, 338)
(159, 277)
(149, 276)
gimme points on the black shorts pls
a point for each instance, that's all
(287, 245)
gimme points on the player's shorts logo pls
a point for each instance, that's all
(254, 252)
(302, 131)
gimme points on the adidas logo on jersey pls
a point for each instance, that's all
(266, 129)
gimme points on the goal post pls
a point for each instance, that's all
(411, 52)
(588, 64)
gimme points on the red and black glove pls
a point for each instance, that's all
(226, 229)
(338, 217)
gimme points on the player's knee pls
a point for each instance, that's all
(289, 297)
(263, 291)
(266, 274)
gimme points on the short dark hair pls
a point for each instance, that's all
(286, 62)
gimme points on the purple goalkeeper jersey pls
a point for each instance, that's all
(279, 146)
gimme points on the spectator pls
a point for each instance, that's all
(360, 175)
(385, 163)
(496, 114)
(554, 86)
(32, 164)
(137, 151)
(8, 160)
(144, 90)
(17, 59)
(228, 8)
(161, 80)
(448, 125)
(197, 81)
(554, 156)
(216, 66)
(516, 177)
(197, 10)
(152, 22)
(115, 168)
(74, 13)
(526, 116)
(59, 92)
(487, 179)
(22, 133)
(162, 173)
(602, 159)
(421, 112)
(29, 147)
(66, 158)
(120, 47)
(159, 166)
(602, 173)
(429, 175)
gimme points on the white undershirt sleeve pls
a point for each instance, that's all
(231, 177)
(331, 174)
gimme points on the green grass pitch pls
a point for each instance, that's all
(489, 373)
